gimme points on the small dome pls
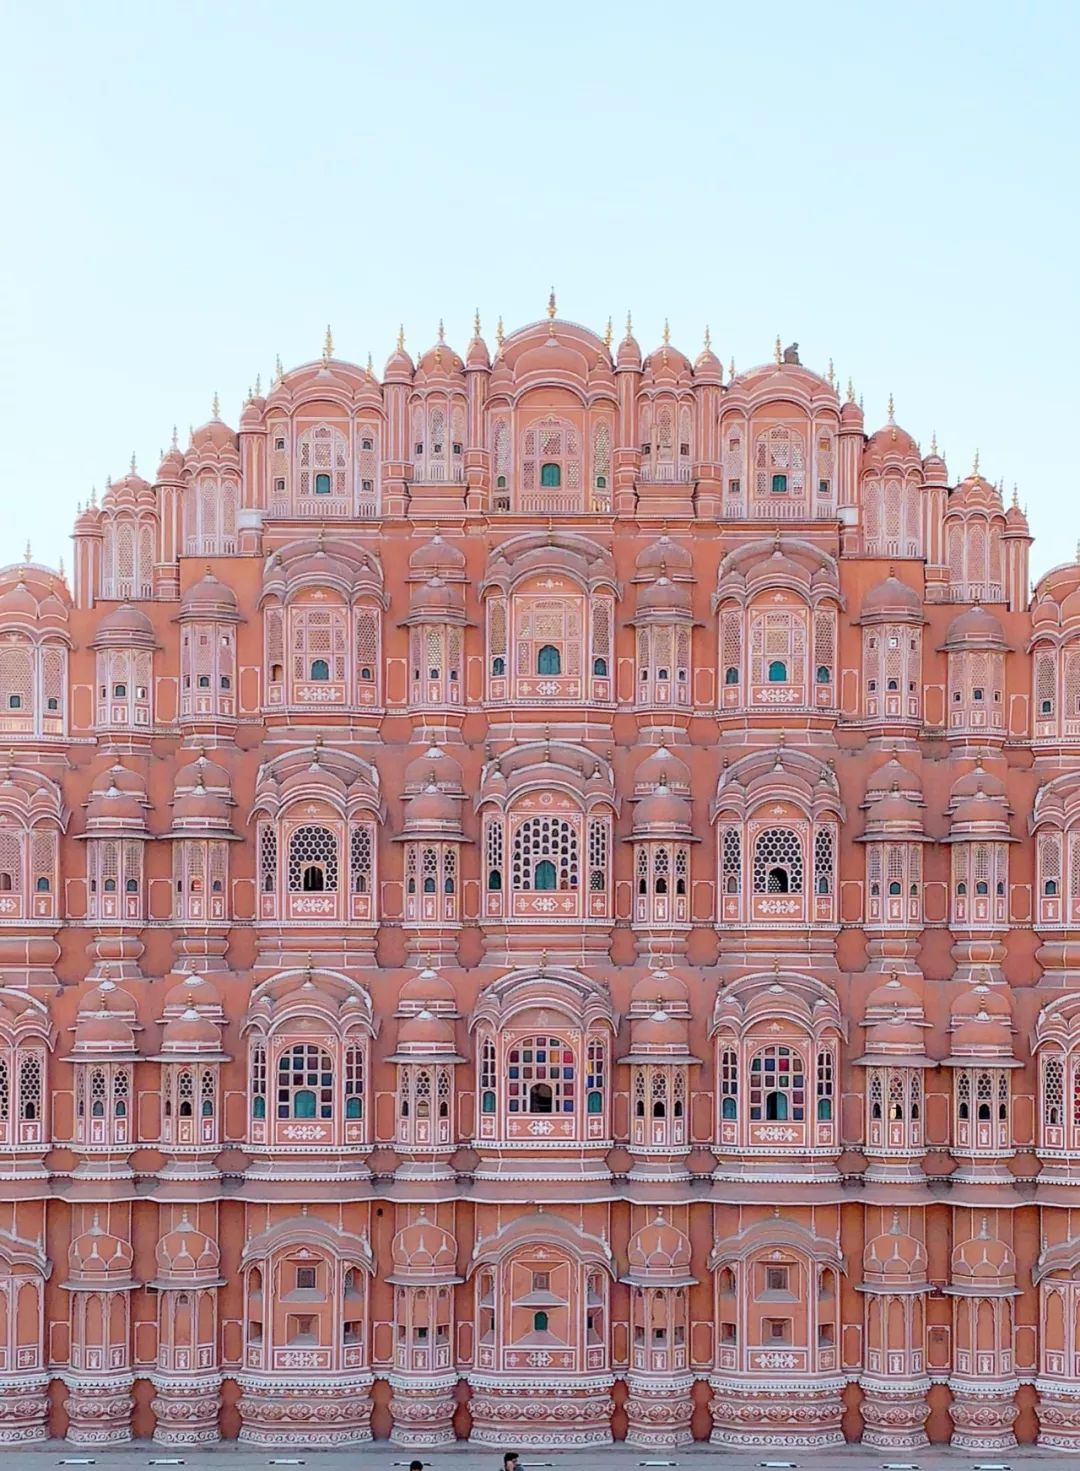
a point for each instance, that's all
(190, 1032)
(977, 782)
(425, 1030)
(433, 766)
(894, 1257)
(662, 769)
(437, 558)
(659, 990)
(437, 597)
(124, 626)
(659, 1031)
(427, 991)
(209, 597)
(894, 995)
(664, 557)
(424, 1249)
(399, 365)
(172, 465)
(97, 1256)
(894, 774)
(186, 1253)
(664, 596)
(975, 628)
(893, 811)
(193, 991)
(660, 1251)
(984, 1260)
(890, 443)
(478, 355)
(893, 598)
(663, 811)
(629, 353)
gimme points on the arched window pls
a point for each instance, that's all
(777, 1085)
(541, 1077)
(550, 476)
(313, 861)
(778, 862)
(548, 660)
(542, 844)
(320, 669)
(305, 1083)
(777, 672)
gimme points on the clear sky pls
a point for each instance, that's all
(191, 189)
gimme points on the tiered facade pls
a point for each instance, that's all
(540, 902)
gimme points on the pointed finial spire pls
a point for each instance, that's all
(63, 577)
(779, 352)
(707, 343)
(442, 331)
(370, 367)
(831, 375)
(1016, 498)
(892, 410)
(551, 308)
(93, 495)
(258, 385)
(27, 555)
(629, 325)
(975, 464)
(132, 465)
(608, 335)
(667, 333)
(500, 335)
(175, 444)
(850, 391)
(476, 323)
(401, 338)
(328, 345)
(861, 405)
(279, 371)
(731, 369)
(215, 407)
(933, 442)
(250, 395)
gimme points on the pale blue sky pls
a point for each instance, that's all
(191, 189)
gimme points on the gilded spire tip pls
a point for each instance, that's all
(476, 323)
(608, 335)
(215, 407)
(28, 554)
(174, 440)
(551, 308)
(500, 335)
(831, 375)
(892, 410)
(975, 464)
(401, 338)
(778, 351)
(629, 325)
(667, 333)
(850, 391)
(258, 385)
(328, 345)
(132, 466)
(279, 371)
(707, 345)
(933, 442)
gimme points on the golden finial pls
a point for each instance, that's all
(608, 335)
(1016, 498)
(892, 410)
(933, 442)
(132, 465)
(175, 445)
(975, 465)
(93, 495)
(667, 333)
(250, 394)
(258, 385)
(215, 407)
(442, 331)
(707, 344)
(850, 391)
(500, 335)
(370, 367)
(731, 370)
(401, 338)
(861, 405)
(328, 345)
(551, 309)
(476, 323)
(629, 325)
(279, 371)
(831, 375)
(27, 555)
(60, 569)
(778, 352)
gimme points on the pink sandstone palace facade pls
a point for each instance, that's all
(540, 902)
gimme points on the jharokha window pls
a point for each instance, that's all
(542, 1086)
(558, 860)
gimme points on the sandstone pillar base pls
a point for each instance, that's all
(423, 1412)
(24, 1410)
(894, 1414)
(775, 1412)
(187, 1411)
(547, 1414)
(1059, 1417)
(99, 1411)
(297, 1411)
(658, 1412)
(983, 1417)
